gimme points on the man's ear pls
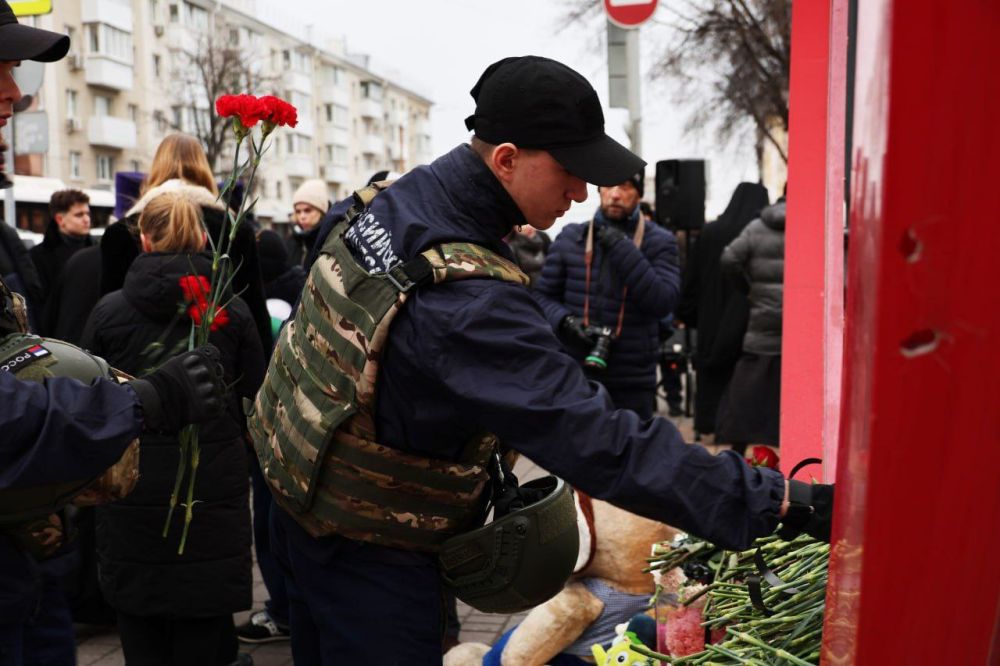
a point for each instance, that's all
(59, 217)
(503, 161)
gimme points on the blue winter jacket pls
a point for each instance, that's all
(478, 355)
(55, 432)
(652, 275)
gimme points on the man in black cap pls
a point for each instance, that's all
(470, 356)
(606, 286)
(63, 430)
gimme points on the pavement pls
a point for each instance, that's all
(101, 647)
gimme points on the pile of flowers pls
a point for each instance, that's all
(205, 299)
(760, 606)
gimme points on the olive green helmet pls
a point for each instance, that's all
(31, 358)
(519, 560)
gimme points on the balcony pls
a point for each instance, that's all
(371, 108)
(297, 81)
(372, 145)
(181, 38)
(108, 72)
(305, 125)
(399, 117)
(336, 173)
(111, 132)
(299, 166)
(397, 151)
(335, 135)
(331, 94)
(115, 13)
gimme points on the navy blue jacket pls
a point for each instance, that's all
(54, 432)
(652, 275)
(478, 355)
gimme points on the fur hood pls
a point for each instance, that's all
(196, 194)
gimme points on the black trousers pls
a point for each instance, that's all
(163, 641)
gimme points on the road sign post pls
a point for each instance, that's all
(623, 59)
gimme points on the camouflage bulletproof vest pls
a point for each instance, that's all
(313, 421)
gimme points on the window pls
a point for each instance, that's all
(74, 165)
(279, 190)
(371, 90)
(339, 155)
(157, 63)
(108, 41)
(134, 165)
(196, 16)
(161, 122)
(102, 105)
(105, 167)
(175, 14)
(234, 36)
(341, 114)
(133, 113)
(71, 106)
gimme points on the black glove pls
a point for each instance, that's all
(810, 510)
(574, 330)
(608, 235)
(186, 389)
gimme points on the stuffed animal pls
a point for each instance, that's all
(641, 630)
(608, 588)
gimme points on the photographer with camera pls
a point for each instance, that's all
(605, 286)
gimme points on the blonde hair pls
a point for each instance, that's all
(172, 223)
(180, 156)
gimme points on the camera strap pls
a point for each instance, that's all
(588, 261)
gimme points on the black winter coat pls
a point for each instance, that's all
(713, 305)
(50, 256)
(758, 256)
(140, 571)
(652, 275)
(73, 296)
(120, 246)
(16, 267)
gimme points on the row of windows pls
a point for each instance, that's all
(102, 39)
(103, 164)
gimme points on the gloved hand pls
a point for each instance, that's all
(186, 389)
(608, 235)
(810, 510)
(574, 330)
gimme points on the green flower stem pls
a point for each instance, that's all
(189, 504)
(181, 464)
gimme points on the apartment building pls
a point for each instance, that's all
(132, 77)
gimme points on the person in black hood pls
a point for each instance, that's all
(713, 306)
(178, 609)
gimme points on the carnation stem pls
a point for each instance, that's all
(189, 504)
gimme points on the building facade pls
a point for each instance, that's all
(141, 69)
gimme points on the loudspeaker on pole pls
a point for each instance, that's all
(680, 194)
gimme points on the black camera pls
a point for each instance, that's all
(597, 359)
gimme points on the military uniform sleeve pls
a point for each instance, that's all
(502, 365)
(62, 430)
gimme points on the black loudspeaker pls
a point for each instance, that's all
(680, 194)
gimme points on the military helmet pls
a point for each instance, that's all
(520, 559)
(29, 357)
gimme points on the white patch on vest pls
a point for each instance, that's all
(373, 243)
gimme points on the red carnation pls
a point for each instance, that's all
(278, 111)
(247, 107)
(763, 456)
(196, 289)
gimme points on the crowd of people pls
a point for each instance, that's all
(552, 349)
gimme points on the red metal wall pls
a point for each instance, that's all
(914, 575)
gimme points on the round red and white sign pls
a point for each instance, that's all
(629, 13)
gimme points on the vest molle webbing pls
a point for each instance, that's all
(313, 421)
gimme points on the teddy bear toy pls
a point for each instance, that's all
(607, 589)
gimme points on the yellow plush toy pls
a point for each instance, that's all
(621, 654)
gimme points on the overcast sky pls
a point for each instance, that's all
(440, 47)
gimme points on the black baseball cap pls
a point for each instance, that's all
(22, 42)
(538, 103)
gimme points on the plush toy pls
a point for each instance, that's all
(608, 589)
(641, 630)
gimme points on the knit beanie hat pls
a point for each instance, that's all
(314, 193)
